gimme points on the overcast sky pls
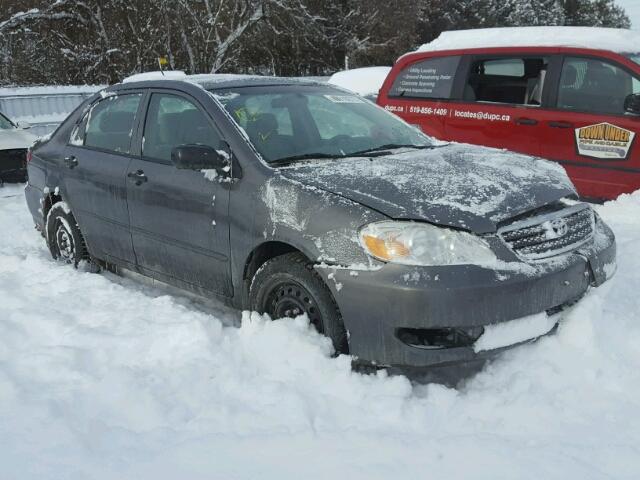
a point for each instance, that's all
(633, 10)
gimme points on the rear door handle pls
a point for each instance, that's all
(560, 125)
(526, 121)
(138, 176)
(71, 161)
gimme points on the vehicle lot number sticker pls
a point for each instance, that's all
(605, 141)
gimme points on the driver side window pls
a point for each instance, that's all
(173, 121)
(595, 86)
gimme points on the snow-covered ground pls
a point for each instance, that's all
(101, 377)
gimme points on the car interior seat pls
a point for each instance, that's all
(114, 131)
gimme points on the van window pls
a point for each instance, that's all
(432, 78)
(173, 121)
(512, 80)
(110, 123)
(594, 86)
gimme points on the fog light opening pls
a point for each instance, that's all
(439, 338)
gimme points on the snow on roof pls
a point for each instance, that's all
(157, 75)
(614, 39)
(364, 81)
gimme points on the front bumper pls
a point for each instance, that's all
(376, 304)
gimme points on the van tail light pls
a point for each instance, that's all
(29, 155)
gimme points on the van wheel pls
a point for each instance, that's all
(63, 236)
(288, 286)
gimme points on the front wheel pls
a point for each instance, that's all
(288, 286)
(63, 236)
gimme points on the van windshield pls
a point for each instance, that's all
(291, 123)
(635, 57)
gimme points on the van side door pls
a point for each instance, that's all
(179, 218)
(95, 164)
(502, 99)
(588, 130)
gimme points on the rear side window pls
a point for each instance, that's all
(173, 121)
(595, 86)
(432, 78)
(109, 124)
(513, 80)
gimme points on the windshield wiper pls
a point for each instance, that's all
(305, 156)
(389, 146)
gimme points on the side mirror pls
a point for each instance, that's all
(632, 104)
(200, 157)
(23, 125)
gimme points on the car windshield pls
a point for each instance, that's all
(5, 124)
(635, 57)
(292, 123)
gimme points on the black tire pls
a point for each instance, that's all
(63, 236)
(287, 286)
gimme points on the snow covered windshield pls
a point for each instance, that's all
(292, 123)
(5, 124)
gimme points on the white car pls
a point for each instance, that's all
(15, 140)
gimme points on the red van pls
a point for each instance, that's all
(569, 94)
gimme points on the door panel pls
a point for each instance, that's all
(504, 98)
(96, 162)
(179, 225)
(588, 131)
(179, 218)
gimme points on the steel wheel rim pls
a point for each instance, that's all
(290, 299)
(64, 243)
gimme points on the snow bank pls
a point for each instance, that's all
(363, 81)
(614, 39)
(103, 378)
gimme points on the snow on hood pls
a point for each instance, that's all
(457, 185)
(16, 138)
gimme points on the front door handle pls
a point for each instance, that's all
(138, 176)
(526, 121)
(71, 161)
(560, 125)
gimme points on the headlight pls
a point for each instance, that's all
(411, 243)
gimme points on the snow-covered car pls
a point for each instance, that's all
(292, 197)
(14, 143)
(365, 81)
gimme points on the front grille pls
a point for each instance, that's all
(550, 234)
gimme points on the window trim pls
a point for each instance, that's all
(564, 56)
(143, 121)
(133, 130)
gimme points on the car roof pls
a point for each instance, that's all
(613, 39)
(216, 80)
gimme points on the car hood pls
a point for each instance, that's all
(16, 138)
(462, 186)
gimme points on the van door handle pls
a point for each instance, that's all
(138, 176)
(71, 161)
(560, 125)
(526, 121)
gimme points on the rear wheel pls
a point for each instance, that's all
(63, 236)
(287, 286)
